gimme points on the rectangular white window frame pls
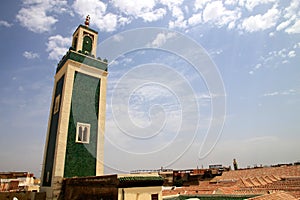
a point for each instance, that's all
(56, 104)
(83, 133)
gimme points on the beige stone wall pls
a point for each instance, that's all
(139, 193)
(101, 127)
(151, 174)
(62, 130)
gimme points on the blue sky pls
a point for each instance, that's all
(160, 105)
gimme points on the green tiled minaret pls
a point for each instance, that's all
(75, 135)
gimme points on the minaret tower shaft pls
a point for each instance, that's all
(75, 135)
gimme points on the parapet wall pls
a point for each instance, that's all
(23, 195)
(101, 187)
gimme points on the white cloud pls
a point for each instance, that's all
(292, 10)
(251, 4)
(124, 61)
(179, 21)
(271, 94)
(118, 38)
(35, 15)
(292, 54)
(153, 15)
(216, 13)
(123, 20)
(57, 46)
(140, 9)
(261, 22)
(97, 11)
(30, 55)
(5, 23)
(195, 19)
(200, 4)
(171, 3)
(214, 52)
(212, 11)
(161, 39)
(231, 2)
(152, 10)
(274, 59)
(107, 23)
(255, 68)
(297, 45)
(231, 25)
(258, 66)
(135, 8)
(286, 92)
(291, 15)
(295, 28)
(282, 53)
(283, 25)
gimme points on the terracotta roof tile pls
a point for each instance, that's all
(249, 182)
(275, 196)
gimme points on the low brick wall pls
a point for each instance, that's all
(23, 195)
(104, 187)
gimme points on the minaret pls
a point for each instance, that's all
(75, 135)
(235, 165)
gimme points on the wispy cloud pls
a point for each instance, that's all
(251, 4)
(30, 55)
(295, 28)
(277, 93)
(292, 17)
(140, 9)
(292, 54)
(276, 58)
(118, 38)
(161, 39)
(5, 23)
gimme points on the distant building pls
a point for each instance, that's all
(215, 166)
(185, 177)
(18, 181)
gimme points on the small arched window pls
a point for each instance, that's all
(87, 44)
(83, 133)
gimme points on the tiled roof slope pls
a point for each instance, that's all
(263, 180)
(250, 181)
(275, 196)
(274, 172)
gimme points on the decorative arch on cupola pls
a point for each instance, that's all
(87, 44)
(74, 43)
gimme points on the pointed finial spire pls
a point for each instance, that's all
(87, 21)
